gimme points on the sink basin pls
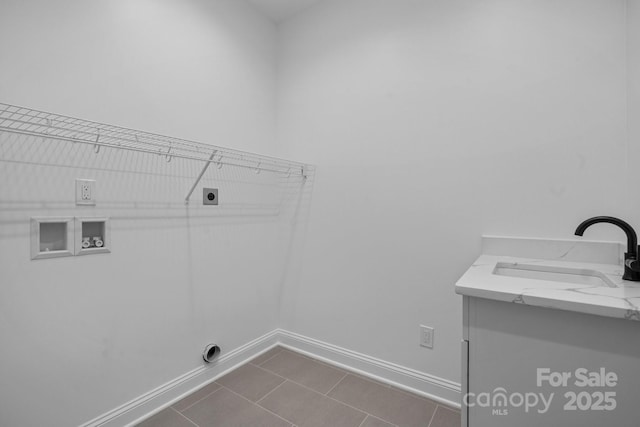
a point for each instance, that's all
(553, 274)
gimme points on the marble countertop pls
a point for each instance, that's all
(620, 300)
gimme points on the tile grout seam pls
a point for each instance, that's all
(365, 419)
(199, 400)
(373, 381)
(261, 407)
(367, 415)
(184, 416)
(336, 384)
(315, 392)
(433, 416)
(365, 378)
(385, 421)
(265, 361)
(285, 379)
(257, 402)
(328, 397)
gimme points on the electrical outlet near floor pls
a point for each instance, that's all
(85, 192)
(426, 336)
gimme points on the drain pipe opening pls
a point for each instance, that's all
(211, 353)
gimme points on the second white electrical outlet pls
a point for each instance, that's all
(426, 336)
(85, 192)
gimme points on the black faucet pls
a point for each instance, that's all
(631, 262)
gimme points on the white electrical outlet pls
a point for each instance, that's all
(85, 192)
(426, 336)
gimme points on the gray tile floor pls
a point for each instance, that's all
(283, 388)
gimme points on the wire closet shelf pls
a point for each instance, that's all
(27, 121)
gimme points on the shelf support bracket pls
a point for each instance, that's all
(204, 169)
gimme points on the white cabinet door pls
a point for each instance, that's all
(526, 367)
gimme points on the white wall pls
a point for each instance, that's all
(633, 114)
(83, 335)
(195, 69)
(432, 123)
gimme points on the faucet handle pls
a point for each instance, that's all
(632, 263)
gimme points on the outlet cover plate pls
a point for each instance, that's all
(209, 196)
(426, 336)
(85, 192)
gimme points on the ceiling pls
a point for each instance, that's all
(279, 10)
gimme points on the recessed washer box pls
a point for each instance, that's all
(51, 237)
(92, 236)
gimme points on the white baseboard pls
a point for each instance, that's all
(435, 388)
(167, 394)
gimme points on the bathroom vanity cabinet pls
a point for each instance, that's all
(545, 353)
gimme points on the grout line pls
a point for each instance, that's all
(377, 418)
(393, 388)
(312, 360)
(265, 361)
(385, 421)
(449, 408)
(199, 400)
(314, 391)
(272, 390)
(433, 416)
(393, 371)
(347, 373)
(336, 385)
(260, 407)
(185, 417)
